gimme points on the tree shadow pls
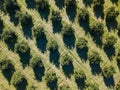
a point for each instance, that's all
(87, 2)
(24, 58)
(85, 24)
(118, 64)
(69, 41)
(1, 5)
(41, 43)
(71, 11)
(109, 82)
(82, 53)
(12, 13)
(59, 3)
(109, 51)
(118, 33)
(11, 42)
(99, 11)
(97, 39)
(54, 57)
(1, 26)
(44, 13)
(27, 29)
(57, 26)
(80, 83)
(114, 1)
(30, 3)
(39, 72)
(68, 69)
(14, 19)
(22, 84)
(95, 69)
(111, 24)
(53, 85)
(8, 72)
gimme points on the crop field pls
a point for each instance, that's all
(59, 44)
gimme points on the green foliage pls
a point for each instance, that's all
(67, 30)
(9, 36)
(81, 43)
(108, 71)
(117, 87)
(11, 6)
(94, 57)
(66, 60)
(97, 28)
(56, 16)
(64, 87)
(109, 41)
(24, 18)
(5, 64)
(79, 75)
(91, 86)
(38, 31)
(51, 78)
(42, 4)
(18, 78)
(22, 48)
(83, 14)
(111, 13)
(52, 44)
(36, 61)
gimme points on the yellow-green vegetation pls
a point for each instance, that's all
(59, 45)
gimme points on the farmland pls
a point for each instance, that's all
(59, 44)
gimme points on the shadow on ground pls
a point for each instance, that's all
(99, 11)
(41, 43)
(81, 83)
(82, 53)
(14, 19)
(95, 69)
(39, 72)
(44, 13)
(109, 82)
(30, 3)
(54, 57)
(87, 2)
(27, 30)
(59, 3)
(69, 41)
(57, 26)
(8, 72)
(71, 11)
(85, 24)
(110, 52)
(11, 42)
(22, 84)
(97, 39)
(111, 24)
(118, 64)
(1, 5)
(1, 26)
(114, 1)
(68, 69)
(24, 58)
